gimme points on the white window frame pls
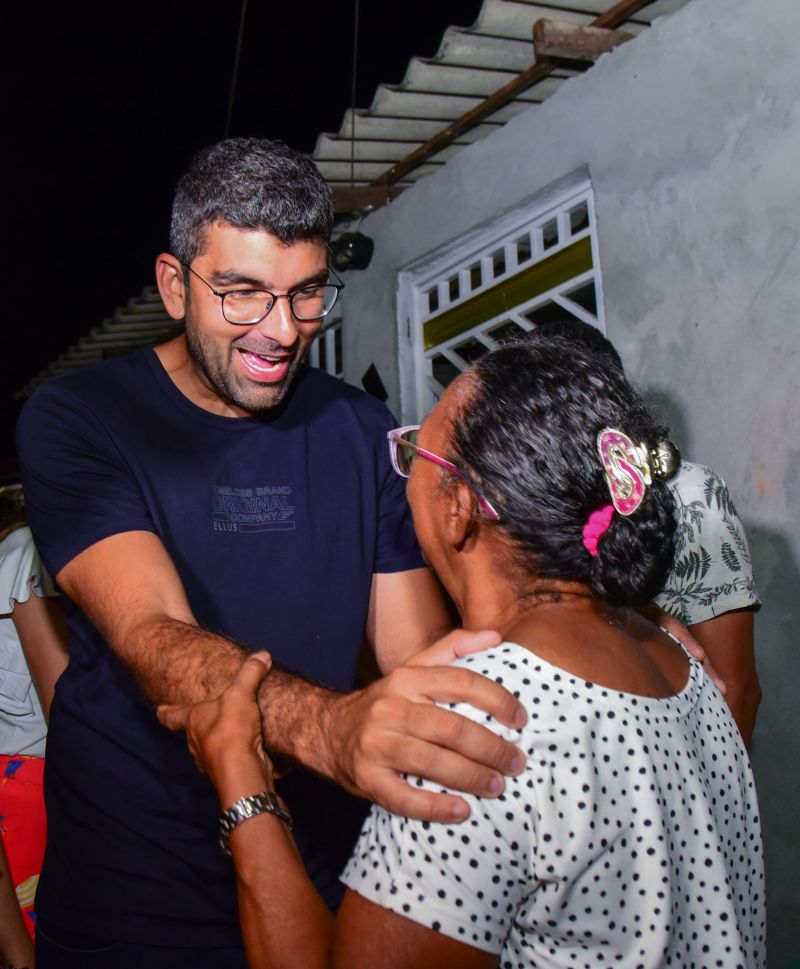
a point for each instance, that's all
(327, 337)
(417, 394)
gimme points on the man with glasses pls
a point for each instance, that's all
(201, 499)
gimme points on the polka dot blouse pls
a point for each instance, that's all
(631, 838)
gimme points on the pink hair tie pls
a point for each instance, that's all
(596, 527)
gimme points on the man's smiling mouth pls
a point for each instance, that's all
(265, 367)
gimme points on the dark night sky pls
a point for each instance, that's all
(105, 102)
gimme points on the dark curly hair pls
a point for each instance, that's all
(250, 183)
(585, 334)
(526, 438)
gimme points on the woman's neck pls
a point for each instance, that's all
(503, 602)
(567, 625)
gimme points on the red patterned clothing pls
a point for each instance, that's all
(23, 825)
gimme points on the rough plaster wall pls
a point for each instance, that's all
(692, 138)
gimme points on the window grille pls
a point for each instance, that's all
(524, 269)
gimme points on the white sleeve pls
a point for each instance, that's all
(21, 571)
(465, 880)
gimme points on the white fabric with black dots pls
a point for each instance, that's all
(631, 838)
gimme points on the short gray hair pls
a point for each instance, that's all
(250, 183)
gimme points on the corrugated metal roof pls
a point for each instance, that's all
(142, 322)
(471, 64)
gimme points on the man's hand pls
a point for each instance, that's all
(456, 644)
(394, 727)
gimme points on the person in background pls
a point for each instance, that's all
(537, 499)
(710, 587)
(32, 657)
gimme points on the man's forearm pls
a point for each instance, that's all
(366, 741)
(296, 720)
(178, 662)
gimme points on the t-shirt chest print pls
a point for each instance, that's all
(263, 509)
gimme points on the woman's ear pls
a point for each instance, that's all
(169, 276)
(461, 514)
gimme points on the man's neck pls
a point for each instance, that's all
(181, 370)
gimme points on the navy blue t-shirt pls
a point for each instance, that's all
(276, 525)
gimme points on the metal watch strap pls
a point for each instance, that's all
(249, 807)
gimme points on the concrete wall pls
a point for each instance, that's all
(691, 134)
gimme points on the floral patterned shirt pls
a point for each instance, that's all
(712, 573)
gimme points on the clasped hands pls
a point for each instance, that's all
(372, 737)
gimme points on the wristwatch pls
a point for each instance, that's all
(249, 807)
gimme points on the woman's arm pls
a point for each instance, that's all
(16, 947)
(39, 622)
(285, 922)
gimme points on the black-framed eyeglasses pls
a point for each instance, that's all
(244, 307)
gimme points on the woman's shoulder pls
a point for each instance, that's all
(550, 694)
(508, 661)
(558, 699)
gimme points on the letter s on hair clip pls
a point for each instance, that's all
(626, 474)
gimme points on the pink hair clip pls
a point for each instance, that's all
(627, 469)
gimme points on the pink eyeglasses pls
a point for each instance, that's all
(403, 448)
